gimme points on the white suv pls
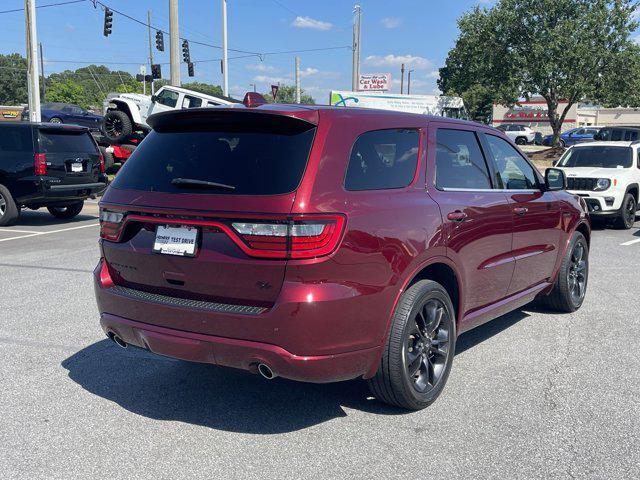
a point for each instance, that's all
(518, 133)
(607, 176)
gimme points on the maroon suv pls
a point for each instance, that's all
(324, 244)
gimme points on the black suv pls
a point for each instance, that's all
(625, 133)
(47, 165)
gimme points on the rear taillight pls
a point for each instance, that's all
(300, 237)
(101, 163)
(111, 224)
(40, 164)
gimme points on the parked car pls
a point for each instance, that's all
(607, 176)
(47, 165)
(126, 113)
(520, 134)
(309, 243)
(573, 136)
(67, 113)
(626, 133)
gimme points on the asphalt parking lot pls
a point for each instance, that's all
(531, 394)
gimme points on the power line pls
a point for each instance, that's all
(44, 6)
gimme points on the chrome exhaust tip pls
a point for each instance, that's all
(266, 372)
(117, 340)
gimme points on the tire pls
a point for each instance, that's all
(55, 120)
(108, 158)
(117, 126)
(570, 276)
(9, 211)
(67, 212)
(425, 302)
(627, 213)
(521, 141)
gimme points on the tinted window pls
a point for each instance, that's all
(597, 156)
(631, 135)
(168, 98)
(459, 161)
(513, 170)
(191, 102)
(15, 139)
(253, 159)
(383, 159)
(54, 142)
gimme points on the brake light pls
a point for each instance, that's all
(300, 237)
(40, 164)
(111, 224)
(101, 162)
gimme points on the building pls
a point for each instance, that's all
(533, 113)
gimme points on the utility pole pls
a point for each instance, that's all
(253, 85)
(297, 79)
(44, 83)
(150, 48)
(355, 76)
(402, 79)
(32, 60)
(225, 53)
(174, 54)
(409, 82)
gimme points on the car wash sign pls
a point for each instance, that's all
(374, 82)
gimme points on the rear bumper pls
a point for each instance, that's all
(243, 354)
(43, 193)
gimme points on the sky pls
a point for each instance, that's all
(418, 33)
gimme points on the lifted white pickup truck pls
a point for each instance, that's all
(607, 176)
(126, 113)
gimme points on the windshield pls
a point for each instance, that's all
(598, 157)
(242, 161)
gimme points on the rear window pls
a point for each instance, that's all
(58, 142)
(597, 156)
(383, 159)
(253, 160)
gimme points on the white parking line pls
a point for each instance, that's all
(630, 242)
(17, 231)
(48, 233)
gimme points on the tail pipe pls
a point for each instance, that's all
(266, 372)
(117, 340)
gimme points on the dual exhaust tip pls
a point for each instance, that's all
(263, 369)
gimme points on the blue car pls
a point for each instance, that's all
(573, 136)
(67, 113)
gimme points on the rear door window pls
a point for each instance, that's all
(513, 170)
(191, 102)
(245, 158)
(58, 142)
(383, 159)
(459, 161)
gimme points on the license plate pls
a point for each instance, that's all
(176, 240)
(76, 167)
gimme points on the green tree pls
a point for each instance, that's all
(287, 94)
(562, 50)
(13, 79)
(206, 88)
(67, 91)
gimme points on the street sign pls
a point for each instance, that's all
(274, 91)
(374, 82)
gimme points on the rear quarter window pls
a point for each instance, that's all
(15, 139)
(383, 159)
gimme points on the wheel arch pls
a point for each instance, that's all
(635, 189)
(127, 107)
(584, 229)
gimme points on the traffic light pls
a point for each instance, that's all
(159, 40)
(156, 72)
(108, 22)
(190, 69)
(185, 51)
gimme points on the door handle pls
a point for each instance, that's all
(457, 216)
(520, 210)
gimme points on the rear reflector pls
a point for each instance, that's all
(105, 277)
(40, 164)
(101, 163)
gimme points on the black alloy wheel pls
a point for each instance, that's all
(577, 273)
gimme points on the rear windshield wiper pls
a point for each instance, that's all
(192, 182)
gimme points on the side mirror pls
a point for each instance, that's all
(555, 179)
(154, 98)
